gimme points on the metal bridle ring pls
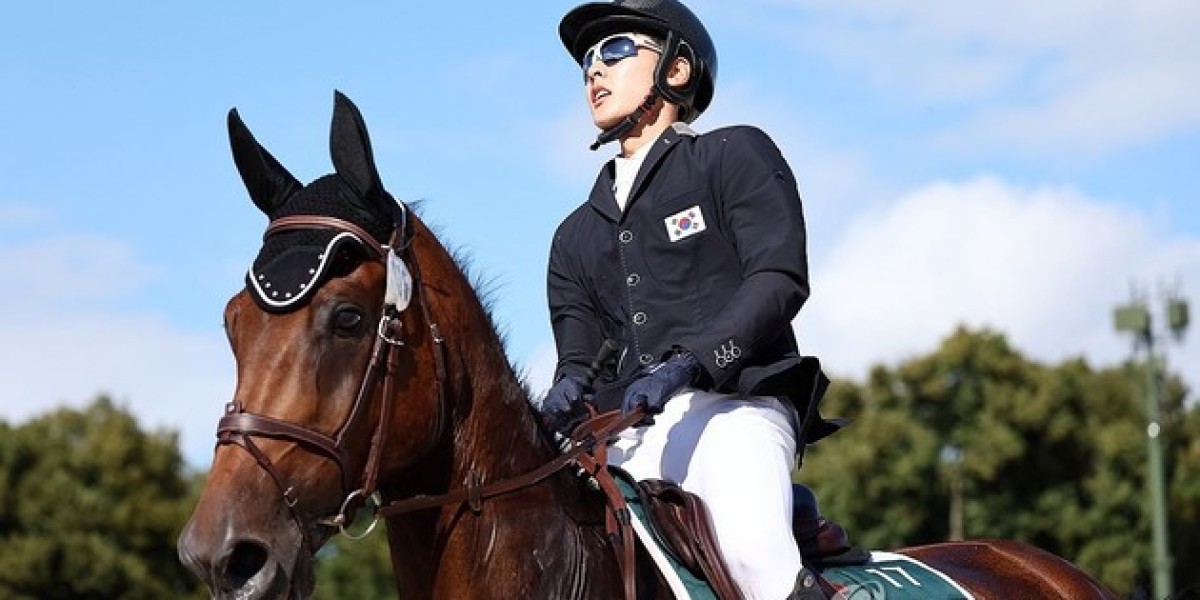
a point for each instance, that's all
(341, 520)
(385, 335)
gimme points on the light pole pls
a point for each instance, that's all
(1135, 318)
(951, 458)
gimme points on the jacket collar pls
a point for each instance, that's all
(602, 198)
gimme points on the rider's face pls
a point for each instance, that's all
(615, 88)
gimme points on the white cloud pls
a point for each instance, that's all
(168, 377)
(1088, 76)
(1045, 266)
(19, 216)
(1122, 107)
(67, 339)
(69, 271)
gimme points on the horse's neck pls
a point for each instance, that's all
(494, 433)
(543, 541)
(525, 534)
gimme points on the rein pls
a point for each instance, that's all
(590, 437)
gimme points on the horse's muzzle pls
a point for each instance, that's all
(244, 569)
(245, 547)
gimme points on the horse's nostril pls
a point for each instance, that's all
(246, 560)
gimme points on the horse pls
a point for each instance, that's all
(367, 366)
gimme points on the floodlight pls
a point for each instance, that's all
(1177, 316)
(1132, 317)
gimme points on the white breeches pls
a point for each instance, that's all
(738, 455)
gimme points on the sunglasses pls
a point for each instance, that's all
(616, 48)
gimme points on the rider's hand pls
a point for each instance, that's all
(662, 381)
(562, 408)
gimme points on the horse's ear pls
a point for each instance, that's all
(350, 148)
(267, 181)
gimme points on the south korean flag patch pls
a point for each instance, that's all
(685, 223)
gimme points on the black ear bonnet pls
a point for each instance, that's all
(295, 261)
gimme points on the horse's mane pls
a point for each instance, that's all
(486, 288)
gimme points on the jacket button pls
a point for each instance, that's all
(626, 236)
(639, 318)
(633, 279)
(646, 359)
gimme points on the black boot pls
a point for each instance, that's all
(807, 587)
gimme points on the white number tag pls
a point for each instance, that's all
(399, 282)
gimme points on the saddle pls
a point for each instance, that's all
(681, 523)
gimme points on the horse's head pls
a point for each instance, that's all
(321, 335)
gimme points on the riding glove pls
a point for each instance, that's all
(662, 381)
(562, 408)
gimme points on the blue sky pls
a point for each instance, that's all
(1007, 164)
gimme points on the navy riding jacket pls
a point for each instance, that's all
(709, 256)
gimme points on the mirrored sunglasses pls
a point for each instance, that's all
(615, 48)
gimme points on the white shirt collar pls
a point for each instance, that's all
(626, 172)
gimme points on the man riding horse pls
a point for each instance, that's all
(690, 253)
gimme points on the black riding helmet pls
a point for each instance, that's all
(683, 35)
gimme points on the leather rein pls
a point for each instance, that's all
(586, 448)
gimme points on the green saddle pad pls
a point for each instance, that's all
(890, 576)
(887, 576)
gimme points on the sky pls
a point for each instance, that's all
(1019, 165)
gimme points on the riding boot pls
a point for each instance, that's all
(807, 587)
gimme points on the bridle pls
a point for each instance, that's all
(585, 450)
(239, 427)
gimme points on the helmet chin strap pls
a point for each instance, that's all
(627, 124)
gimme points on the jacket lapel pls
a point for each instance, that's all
(602, 198)
(664, 144)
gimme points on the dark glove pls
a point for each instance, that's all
(562, 408)
(661, 382)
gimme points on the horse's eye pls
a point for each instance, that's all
(348, 321)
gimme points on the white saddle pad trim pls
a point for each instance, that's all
(660, 559)
(877, 556)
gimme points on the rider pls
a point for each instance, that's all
(690, 253)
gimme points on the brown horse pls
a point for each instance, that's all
(350, 382)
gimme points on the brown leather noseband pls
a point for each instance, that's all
(238, 427)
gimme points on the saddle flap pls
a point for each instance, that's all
(672, 513)
(682, 524)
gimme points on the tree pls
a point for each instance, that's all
(1051, 455)
(90, 506)
(356, 569)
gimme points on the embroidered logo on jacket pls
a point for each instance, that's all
(685, 223)
(726, 354)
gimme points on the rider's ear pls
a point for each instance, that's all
(350, 148)
(267, 181)
(680, 73)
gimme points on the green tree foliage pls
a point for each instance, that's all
(356, 569)
(90, 506)
(1051, 455)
